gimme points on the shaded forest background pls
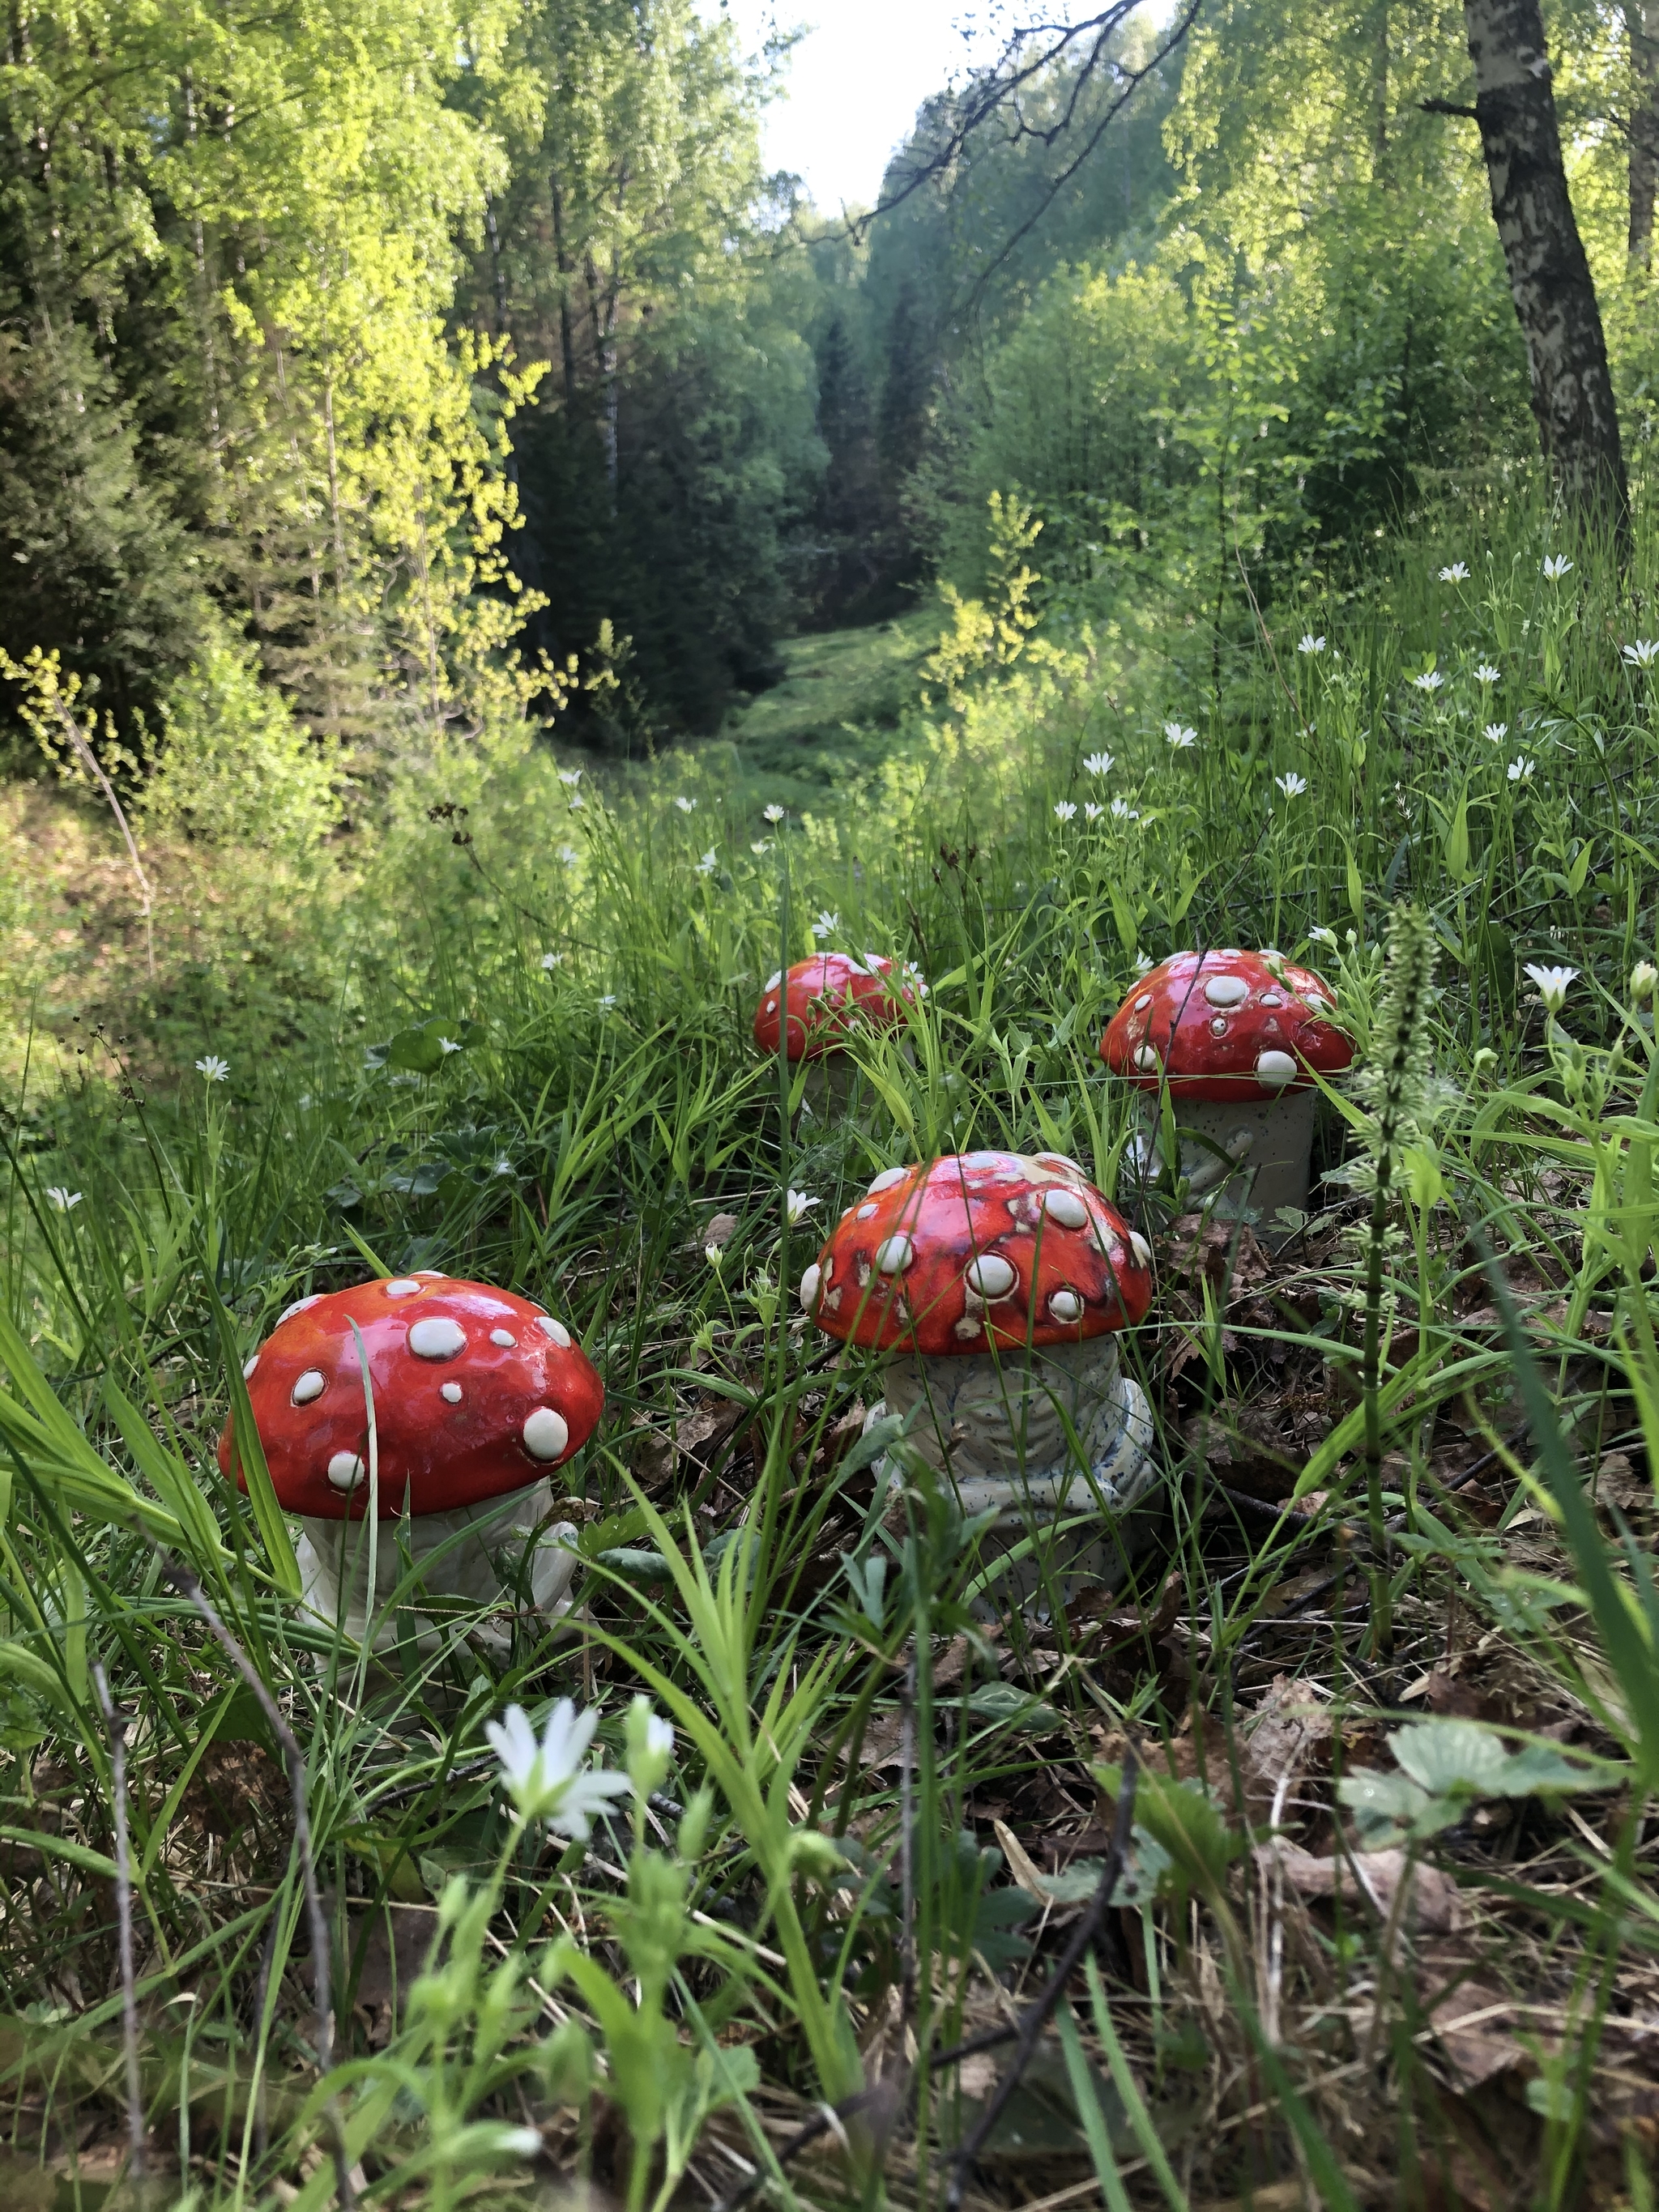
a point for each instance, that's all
(375, 372)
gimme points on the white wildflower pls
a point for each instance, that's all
(1556, 566)
(568, 854)
(773, 813)
(607, 1002)
(1429, 680)
(799, 1206)
(706, 866)
(1643, 653)
(686, 806)
(1519, 770)
(65, 1200)
(1551, 984)
(1486, 674)
(1064, 810)
(570, 777)
(1292, 784)
(1121, 811)
(1091, 811)
(549, 1780)
(552, 960)
(1495, 732)
(447, 1045)
(1100, 764)
(1178, 739)
(760, 845)
(1318, 934)
(1642, 978)
(1309, 643)
(826, 924)
(1143, 963)
(1455, 573)
(211, 1069)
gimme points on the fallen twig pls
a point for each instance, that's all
(1036, 2014)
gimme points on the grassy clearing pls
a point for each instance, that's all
(1388, 1930)
(837, 713)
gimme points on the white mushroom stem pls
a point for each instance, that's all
(471, 1557)
(1265, 1147)
(997, 1424)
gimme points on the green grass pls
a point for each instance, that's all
(836, 712)
(601, 1113)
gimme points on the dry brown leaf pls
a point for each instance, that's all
(1292, 1732)
(1467, 2024)
(1432, 1909)
(719, 1233)
(1020, 1864)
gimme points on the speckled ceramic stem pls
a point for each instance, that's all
(480, 1566)
(998, 1427)
(1274, 1136)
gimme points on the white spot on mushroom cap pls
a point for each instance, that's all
(1066, 1207)
(1143, 1002)
(437, 1337)
(451, 1394)
(1065, 1306)
(1275, 1068)
(248, 1367)
(866, 1211)
(811, 1284)
(345, 1470)
(1058, 1160)
(894, 1254)
(299, 1305)
(1146, 1059)
(1141, 1248)
(771, 1006)
(403, 1287)
(991, 1276)
(775, 978)
(887, 1178)
(1218, 1026)
(556, 1329)
(1226, 990)
(310, 1384)
(545, 1434)
(504, 1337)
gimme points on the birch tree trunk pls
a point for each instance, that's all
(1549, 276)
(1642, 27)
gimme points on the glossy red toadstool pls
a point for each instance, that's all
(478, 1394)
(1232, 1037)
(998, 1284)
(823, 1001)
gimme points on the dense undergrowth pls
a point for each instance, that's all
(1389, 1930)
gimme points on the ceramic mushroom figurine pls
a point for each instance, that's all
(478, 1396)
(1233, 1036)
(998, 1284)
(822, 1001)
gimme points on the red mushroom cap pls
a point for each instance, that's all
(477, 1393)
(1226, 1025)
(979, 1249)
(831, 995)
